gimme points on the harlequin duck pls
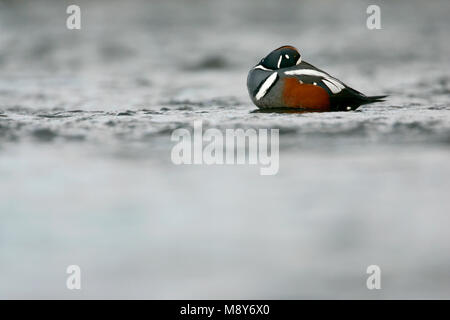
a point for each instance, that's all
(283, 80)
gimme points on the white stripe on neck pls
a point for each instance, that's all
(266, 85)
(262, 68)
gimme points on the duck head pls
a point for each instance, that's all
(283, 57)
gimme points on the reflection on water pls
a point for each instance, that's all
(86, 177)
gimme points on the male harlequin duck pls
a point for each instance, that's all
(283, 80)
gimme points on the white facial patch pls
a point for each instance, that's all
(266, 85)
(287, 56)
(279, 62)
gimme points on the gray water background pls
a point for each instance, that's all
(86, 176)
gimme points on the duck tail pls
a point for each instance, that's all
(370, 99)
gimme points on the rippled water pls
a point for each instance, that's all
(86, 176)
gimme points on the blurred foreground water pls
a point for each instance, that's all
(86, 176)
